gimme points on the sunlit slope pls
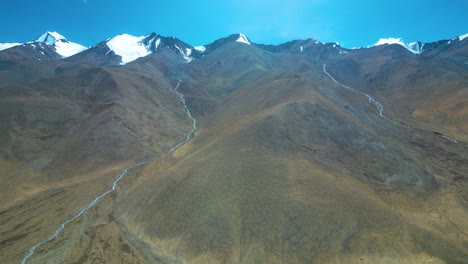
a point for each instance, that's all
(294, 170)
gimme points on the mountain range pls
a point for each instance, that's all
(150, 150)
(128, 48)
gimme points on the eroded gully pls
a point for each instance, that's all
(115, 184)
(378, 105)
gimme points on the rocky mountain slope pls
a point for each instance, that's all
(305, 152)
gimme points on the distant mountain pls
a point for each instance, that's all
(130, 48)
(241, 38)
(5, 45)
(125, 48)
(60, 44)
(30, 51)
(309, 47)
(418, 47)
(49, 46)
(414, 47)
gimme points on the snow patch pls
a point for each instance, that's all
(4, 46)
(201, 49)
(302, 48)
(243, 39)
(415, 47)
(128, 47)
(151, 42)
(185, 55)
(462, 37)
(158, 41)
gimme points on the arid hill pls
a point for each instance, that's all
(304, 153)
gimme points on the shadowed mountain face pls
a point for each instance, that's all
(30, 51)
(304, 153)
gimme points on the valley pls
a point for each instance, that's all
(237, 152)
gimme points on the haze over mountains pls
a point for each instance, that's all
(149, 150)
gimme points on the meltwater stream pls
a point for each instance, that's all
(378, 105)
(194, 121)
(94, 201)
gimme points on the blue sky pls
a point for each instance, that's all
(352, 23)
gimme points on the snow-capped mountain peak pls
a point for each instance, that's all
(128, 47)
(152, 41)
(243, 39)
(462, 37)
(60, 44)
(4, 45)
(414, 47)
(50, 38)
